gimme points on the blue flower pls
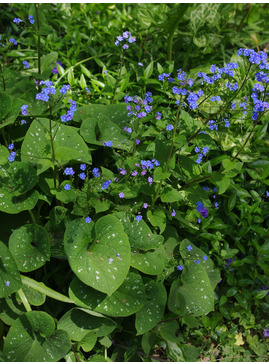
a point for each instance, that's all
(17, 20)
(106, 184)
(82, 175)
(189, 248)
(31, 19)
(25, 64)
(23, 122)
(67, 187)
(108, 144)
(88, 219)
(83, 167)
(121, 195)
(11, 157)
(169, 127)
(205, 257)
(12, 40)
(173, 213)
(138, 218)
(7, 283)
(11, 146)
(179, 267)
(69, 171)
(24, 110)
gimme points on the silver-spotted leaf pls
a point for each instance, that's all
(30, 247)
(153, 311)
(78, 322)
(9, 275)
(32, 338)
(98, 254)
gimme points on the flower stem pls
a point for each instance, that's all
(24, 300)
(118, 80)
(168, 158)
(38, 42)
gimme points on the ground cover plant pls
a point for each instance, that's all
(134, 196)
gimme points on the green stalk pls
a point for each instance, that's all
(3, 78)
(38, 42)
(24, 300)
(169, 156)
(118, 80)
(40, 287)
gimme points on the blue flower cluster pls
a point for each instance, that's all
(212, 125)
(12, 155)
(96, 172)
(201, 209)
(48, 90)
(106, 184)
(25, 64)
(24, 110)
(63, 90)
(17, 20)
(205, 150)
(126, 37)
(70, 113)
(140, 106)
(31, 19)
(13, 41)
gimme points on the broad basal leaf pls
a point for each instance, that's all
(32, 338)
(125, 301)
(78, 322)
(68, 145)
(9, 275)
(153, 311)
(99, 255)
(30, 248)
(16, 179)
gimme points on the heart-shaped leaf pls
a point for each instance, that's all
(9, 275)
(147, 253)
(32, 338)
(30, 248)
(78, 322)
(125, 301)
(16, 179)
(153, 311)
(99, 255)
(207, 263)
(68, 145)
(11, 309)
(195, 296)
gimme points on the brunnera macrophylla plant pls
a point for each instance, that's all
(119, 195)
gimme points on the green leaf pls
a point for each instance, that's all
(125, 301)
(195, 297)
(170, 194)
(5, 104)
(11, 309)
(148, 71)
(221, 181)
(88, 341)
(16, 179)
(78, 322)
(32, 338)
(186, 122)
(30, 248)
(158, 174)
(157, 218)
(34, 297)
(68, 145)
(4, 154)
(9, 274)
(48, 62)
(89, 254)
(153, 311)
(207, 264)
(146, 248)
